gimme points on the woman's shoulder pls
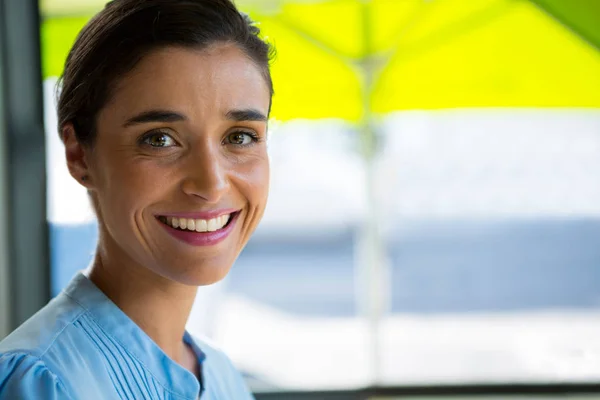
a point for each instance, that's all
(25, 376)
(44, 329)
(26, 362)
(32, 358)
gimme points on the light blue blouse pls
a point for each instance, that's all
(82, 346)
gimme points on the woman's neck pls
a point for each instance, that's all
(159, 306)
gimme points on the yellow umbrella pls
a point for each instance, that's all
(343, 58)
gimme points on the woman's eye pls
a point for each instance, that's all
(241, 138)
(159, 140)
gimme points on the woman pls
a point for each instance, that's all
(163, 113)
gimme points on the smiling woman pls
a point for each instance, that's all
(163, 113)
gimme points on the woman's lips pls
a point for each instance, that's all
(200, 231)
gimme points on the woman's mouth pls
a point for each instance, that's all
(199, 231)
(197, 225)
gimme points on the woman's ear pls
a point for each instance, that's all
(75, 155)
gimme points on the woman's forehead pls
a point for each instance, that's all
(220, 77)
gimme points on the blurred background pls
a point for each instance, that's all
(434, 218)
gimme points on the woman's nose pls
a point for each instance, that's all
(206, 175)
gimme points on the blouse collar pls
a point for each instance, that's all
(120, 327)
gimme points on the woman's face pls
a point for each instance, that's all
(182, 144)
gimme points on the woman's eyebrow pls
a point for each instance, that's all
(249, 114)
(155, 116)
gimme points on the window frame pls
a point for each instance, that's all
(24, 262)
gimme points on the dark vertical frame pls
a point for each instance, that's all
(5, 316)
(26, 269)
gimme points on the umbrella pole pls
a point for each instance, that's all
(372, 268)
(372, 271)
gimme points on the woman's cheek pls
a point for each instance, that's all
(255, 178)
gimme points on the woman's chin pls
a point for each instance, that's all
(206, 279)
(197, 275)
(192, 267)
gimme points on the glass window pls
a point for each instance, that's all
(463, 249)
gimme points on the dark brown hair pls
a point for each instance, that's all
(118, 37)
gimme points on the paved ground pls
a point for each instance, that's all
(292, 352)
(436, 268)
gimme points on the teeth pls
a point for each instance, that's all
(212, 225)
(199, 225)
